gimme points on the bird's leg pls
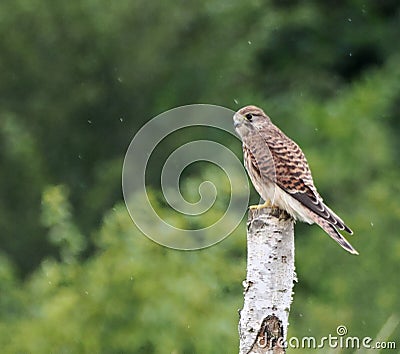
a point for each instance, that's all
(267, 204)
(275, 210)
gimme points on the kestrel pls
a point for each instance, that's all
(280, 173)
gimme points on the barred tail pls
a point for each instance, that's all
(334, 233)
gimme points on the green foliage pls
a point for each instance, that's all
(80, 78)
(132, 296)
(56, 215)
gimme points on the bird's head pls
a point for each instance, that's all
(248, 118)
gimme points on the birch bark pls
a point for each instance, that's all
(268, 287)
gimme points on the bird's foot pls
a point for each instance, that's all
(275, 210)
(267, 204)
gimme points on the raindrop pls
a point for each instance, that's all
(80, 157)
(349, 19)
(121, 119)
(350, 54)
(236, 101)
(372, 224)
(131, 278)
(89, 121)
(119, 79)
(316, 129)
(86, 292)
(249, 42)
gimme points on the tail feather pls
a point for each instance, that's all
(334, 233)
(339, 223)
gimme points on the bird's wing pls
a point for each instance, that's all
(294, 176)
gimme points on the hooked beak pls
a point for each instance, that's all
(237, 120)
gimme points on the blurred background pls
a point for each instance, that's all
(79, 79)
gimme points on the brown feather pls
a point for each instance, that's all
(273, 159)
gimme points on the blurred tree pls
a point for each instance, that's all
(80, 78)
(133, 296)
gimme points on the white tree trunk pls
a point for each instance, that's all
(270, 278)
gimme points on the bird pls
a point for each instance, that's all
(279, 172)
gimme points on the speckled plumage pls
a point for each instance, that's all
(280, 173)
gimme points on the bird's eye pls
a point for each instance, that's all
(249, 116)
